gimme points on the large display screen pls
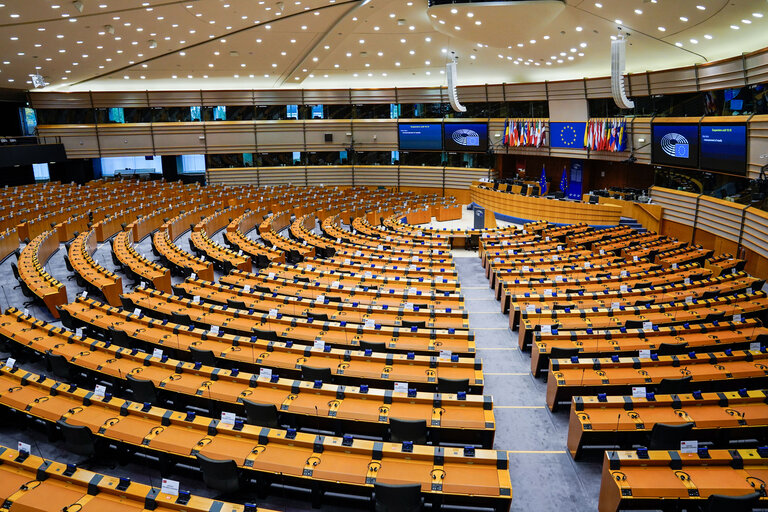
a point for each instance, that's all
(724, 148)
(420, 136)
(467, 137)
(675, 144)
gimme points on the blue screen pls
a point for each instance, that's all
(675, 144)
(422, 136)
(724, 147)
(466, 136)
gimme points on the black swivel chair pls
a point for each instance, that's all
(397, 498)
(16, 274)
(452, 385)
(181, 319)
(69, 266)
(668, 437)
(743, 503)
(672, 386)
(563, 353)
(220, 475)
(265, 415)
(264, 335)
(236, 304)
(142, 390)
(202, 356)
(67, 320)
(60, 367)
(78, 439)
(376, 346)
(408, 430)
(311, 373)
(668, 349)
(419, 325)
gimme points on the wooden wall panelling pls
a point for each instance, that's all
(329, 175)
(316, 129)
(373, 175)
(536, 91)
(755, 234)
(472, 93)
(721, 221)
(758, 145)
(416, 176)
(374, 134)
(79, 140)
(233, 98)
(637, 84)
(277, 97)
(126, 99)
(59, 99)
(598, 87)
(276, 136)
(229, 137)
(757, 67)
(495, 92)
(566, 90)
(371, 96)
(722, 74)
(171, 98)
(326, 96)
(177, 138)
(640, 128)
(232, 176)
(282, 176)
(422, 95)
(673, 81)
(462, 177)
(125, 139)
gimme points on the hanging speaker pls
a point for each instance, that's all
(618, 51)
(453, 95)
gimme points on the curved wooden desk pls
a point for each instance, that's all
(539, 208)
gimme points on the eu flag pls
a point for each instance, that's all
(564, 181)
(543, 182)
(567, 135)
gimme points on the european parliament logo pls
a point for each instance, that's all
(567, 135)
(675, 145)
(465, 137)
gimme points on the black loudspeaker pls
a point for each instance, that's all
(328, 137)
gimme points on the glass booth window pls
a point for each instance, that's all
(192, 164)
(220, 113)
(129, 165)
(115, 115)
(30, 121)
(291, 111)
(41, 171)
(317, 112)
(195, 113)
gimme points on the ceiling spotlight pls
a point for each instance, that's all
(152, 43)
(109, 29)
(77, 4)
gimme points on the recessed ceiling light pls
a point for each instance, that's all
(679, 44)
(662, 29)
(579, 29)
(454, 11)
(598, 5)
(619, 22)
(638, 11)
(707, 36)
(683, 18)
(735, 27)
(746, 22)
(757, 14)
(700, 7)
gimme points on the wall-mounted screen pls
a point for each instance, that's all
(675, 144)
(420, 136)
(469, 137)
(724, 148)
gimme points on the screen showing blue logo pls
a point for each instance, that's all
(675, 144)
(466, 137)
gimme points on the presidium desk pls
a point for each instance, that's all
(539, 208)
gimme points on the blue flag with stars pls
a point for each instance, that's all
(567, 135)
(564, 182)
(543, 181)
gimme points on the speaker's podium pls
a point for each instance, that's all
(482, 220)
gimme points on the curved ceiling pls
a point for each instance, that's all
(258, 44)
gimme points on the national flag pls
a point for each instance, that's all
(506, 132)
(513, 134)
(543, 181)
(564, 181)
(622, 140)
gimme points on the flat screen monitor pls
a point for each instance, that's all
(420, 136)
(675, 145)
(466, 137)
(724, 148)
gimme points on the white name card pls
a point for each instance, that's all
(265, 373)
(689, 446)
(638, 391)
(227, 418)
(170, 487)
(401, 387)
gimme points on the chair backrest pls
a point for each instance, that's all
(397, 498)
(15, 271)
(120, 338)
(264, 335)
(643, 302)
(204, 356)
(669, 386)
(60, 367)
(743, 503)
(668, 437)
(563, 353)
(667, 349)
(127, 304)
(452, 385)
(67, 320)
(178, 291)
(265, 415)
(78, 438)
(311, 373)
(236, 304)
(220, 475)
(181, 318)
(142, 390)
(68, 263)
(376, 346)
(421, 325)
(408, 430)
